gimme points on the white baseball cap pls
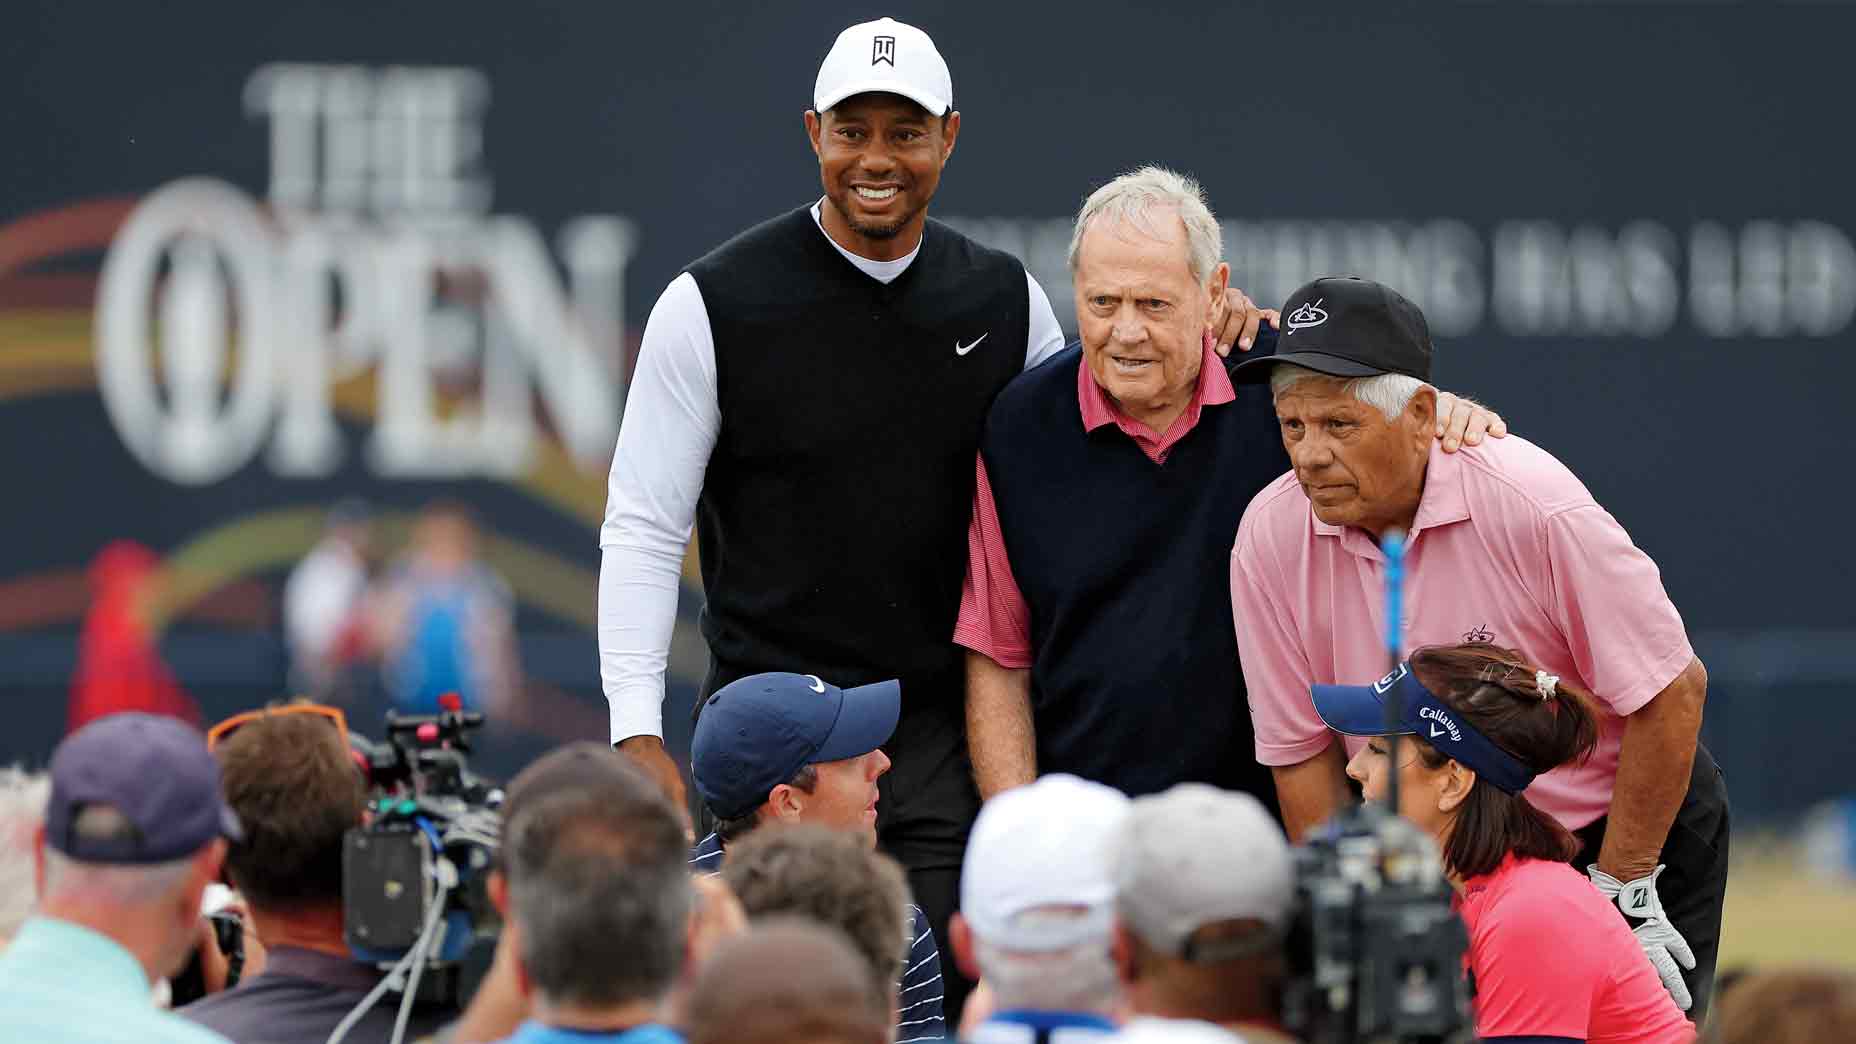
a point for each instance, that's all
(886, 56)
(1149, 1029)
(1196, 855)
(1044, 844)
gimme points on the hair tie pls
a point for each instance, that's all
(1548, 684)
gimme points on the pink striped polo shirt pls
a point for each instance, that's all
(994, 619)
(1507, 547)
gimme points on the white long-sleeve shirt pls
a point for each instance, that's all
(671, 419)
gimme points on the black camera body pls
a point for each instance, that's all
(414, 876)
(1376, 948)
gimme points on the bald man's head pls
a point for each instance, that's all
(787, 980)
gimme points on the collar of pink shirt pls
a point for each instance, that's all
(1214, 389)
(1442, 503)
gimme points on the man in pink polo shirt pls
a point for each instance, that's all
(1504, 545)
(1109, 482)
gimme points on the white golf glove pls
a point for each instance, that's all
(1660, 941)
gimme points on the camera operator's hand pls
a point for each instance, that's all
(1660, 940)
(648, 753)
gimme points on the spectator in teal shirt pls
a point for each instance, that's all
(134, 831)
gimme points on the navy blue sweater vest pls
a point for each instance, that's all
(1125, 566)
(833, 517)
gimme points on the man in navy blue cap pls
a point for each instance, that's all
(134, 831)
(793, 748)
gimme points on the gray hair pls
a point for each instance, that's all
(1080, 977)
(22, 809)
(599, 882)
(1389, 393)
(1133, 199)
(112, 884)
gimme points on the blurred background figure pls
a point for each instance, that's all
(325, 606)
(22, 810)
(445, 622)
(119, 666)
(748, 993)
(1786, 1006)
(1828, 837)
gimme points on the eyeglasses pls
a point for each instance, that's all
(334, 715)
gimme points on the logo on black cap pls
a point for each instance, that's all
(1307, 315)
(883, 49)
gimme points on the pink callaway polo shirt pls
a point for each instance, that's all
(1552, 959)
(1507, 547)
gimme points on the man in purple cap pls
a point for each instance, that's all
(135, 829)
(793, 748)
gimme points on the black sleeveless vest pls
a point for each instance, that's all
(833, 518)
(1125, 566)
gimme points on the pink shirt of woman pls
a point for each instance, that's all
(1552, 960)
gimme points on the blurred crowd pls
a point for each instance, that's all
(370, 623)
(436, 620)
(1083, 914)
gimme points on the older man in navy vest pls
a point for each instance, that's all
(1111, 479)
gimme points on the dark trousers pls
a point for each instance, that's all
(1695, 882)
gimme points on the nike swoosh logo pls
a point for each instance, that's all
(817, 685)
(1435, 731)
(958, 350)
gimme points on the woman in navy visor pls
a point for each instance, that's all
(1550, 959)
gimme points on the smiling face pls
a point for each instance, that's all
(1142, 316)
(1357, 468)
(880, 158)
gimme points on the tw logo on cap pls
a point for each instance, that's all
(883, 50)
(1307, 315)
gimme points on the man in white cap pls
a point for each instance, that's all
(1204, 889)
(810, 396)
(1037, 912)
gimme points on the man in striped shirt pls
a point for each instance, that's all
(790, 748)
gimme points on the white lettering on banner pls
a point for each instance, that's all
(1584, 281)
(1772, 280)
(378, 252)
(1526, 278)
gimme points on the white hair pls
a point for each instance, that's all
(112, 884)
(1389, 393)
(1080, 977)
(1133, 199)
(22, 809)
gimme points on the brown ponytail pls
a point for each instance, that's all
(1500, 694)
